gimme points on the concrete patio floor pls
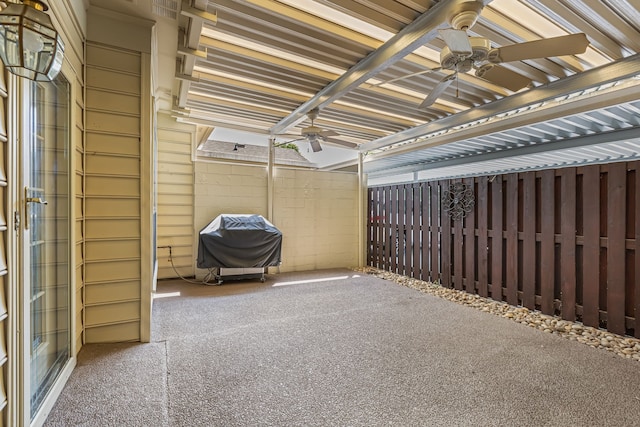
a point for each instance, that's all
(340, 348)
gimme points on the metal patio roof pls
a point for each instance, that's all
(261, 65)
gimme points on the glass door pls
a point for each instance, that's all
(45, 238)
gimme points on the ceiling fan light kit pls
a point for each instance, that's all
(480, 48)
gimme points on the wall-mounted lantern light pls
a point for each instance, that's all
(29, 44)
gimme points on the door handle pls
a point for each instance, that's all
(36, 200)
(27, 200)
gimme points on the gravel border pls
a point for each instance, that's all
(624, 346)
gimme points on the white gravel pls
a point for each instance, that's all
(624, 346)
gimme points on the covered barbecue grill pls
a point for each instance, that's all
(239, 245)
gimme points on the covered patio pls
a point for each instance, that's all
(340, 347)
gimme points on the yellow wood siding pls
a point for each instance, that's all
(175, 197)
(112, 202)
(79, 211)
(4, 227)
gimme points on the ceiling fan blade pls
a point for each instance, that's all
(341, 142)
(457, 41)
(315, 145)
(326, 133)
(438, 90)
(433, 70)
(280, 144)
(545, 48)
(503, 77)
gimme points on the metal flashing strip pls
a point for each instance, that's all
(630, 134)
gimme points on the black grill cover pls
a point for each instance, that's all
(239, 241)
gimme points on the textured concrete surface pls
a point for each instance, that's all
(338, 348)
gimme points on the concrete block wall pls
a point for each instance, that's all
(317, 212)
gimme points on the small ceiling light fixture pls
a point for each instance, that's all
(30, 46)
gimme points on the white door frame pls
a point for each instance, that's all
(18, 299)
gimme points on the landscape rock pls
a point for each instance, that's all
(627, 347)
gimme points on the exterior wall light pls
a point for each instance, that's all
(30, 46)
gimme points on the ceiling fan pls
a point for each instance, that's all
(463, 53)
(314, 135)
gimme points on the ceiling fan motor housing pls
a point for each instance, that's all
(466, 15)
(480, 47)
(311, 131)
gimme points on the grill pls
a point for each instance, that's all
(239, 246)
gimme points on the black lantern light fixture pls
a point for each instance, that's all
(30, 46)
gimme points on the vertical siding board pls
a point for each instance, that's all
(529, 241)
(445, 250)
(591, 246)
(511, 257)
(435, 232)
(483, 240)
(418, 221)
(568, 243)
(496, 239)
(616, 248)
(547, 243)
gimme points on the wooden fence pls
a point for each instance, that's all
(565, 242)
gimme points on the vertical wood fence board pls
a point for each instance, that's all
(370, 225)
(470, 243)
(400, 225)
(630, 234)
(393, 241)
(511, 281)
(547, 243)
(616, 248)
(426, 232)
(387, 229)
(445, 254)
(529, 242)
(483, 240)
(379, 227)
(591, 246)
(568, 243)
(418, 224)
(406, 203)
(436, 233)
(637, 254)
(458, 242)
(496, 239)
